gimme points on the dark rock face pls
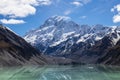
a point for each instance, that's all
(16, 51)
(112, 56)
(93, 53)
(103, 52)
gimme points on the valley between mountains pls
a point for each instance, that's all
(61, 41)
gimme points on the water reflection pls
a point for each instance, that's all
(84, 72)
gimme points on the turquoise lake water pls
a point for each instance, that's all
(79, 72)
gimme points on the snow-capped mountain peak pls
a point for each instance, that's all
(54, 29)
(59, 32)
(54, 20)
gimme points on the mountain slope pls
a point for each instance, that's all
(16, 51)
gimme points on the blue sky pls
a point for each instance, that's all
(30, 14)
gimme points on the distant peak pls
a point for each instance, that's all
(98, 25)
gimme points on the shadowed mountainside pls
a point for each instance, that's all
(16, 51)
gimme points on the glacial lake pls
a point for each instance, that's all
(78, 72)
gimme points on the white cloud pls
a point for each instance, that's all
(80, 2)
(77, 3)
(67, 12)
(20, 8)
(12, 21)
(116, 17)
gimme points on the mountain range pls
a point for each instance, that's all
(61, 41)
(59, 36)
